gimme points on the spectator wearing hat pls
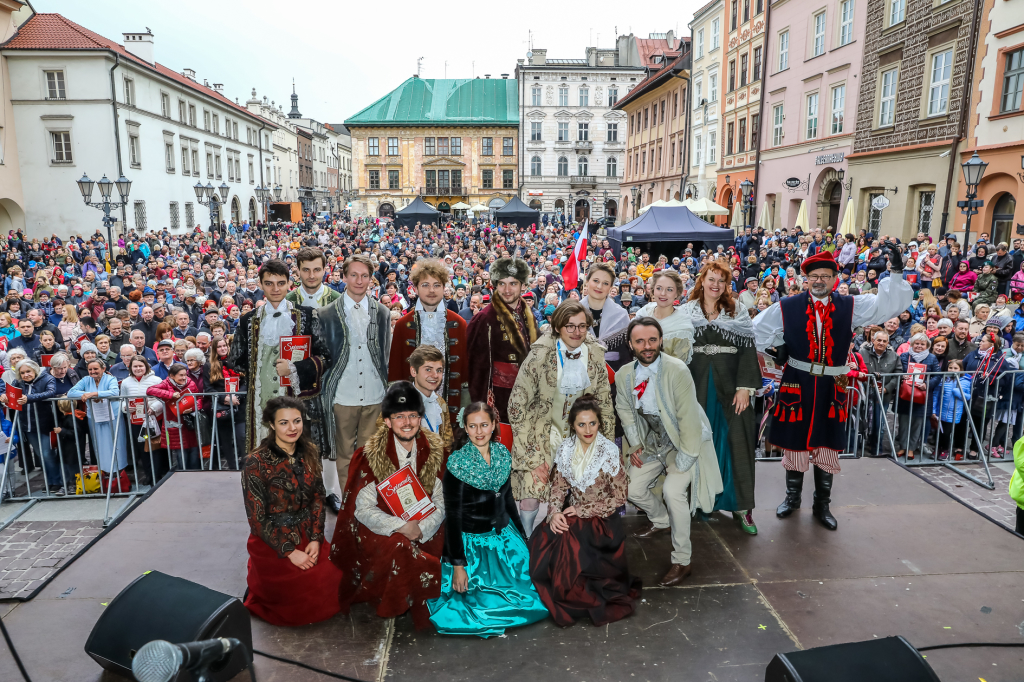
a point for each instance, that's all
(746, 299)
(165, 358)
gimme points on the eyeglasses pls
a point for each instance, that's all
(571, 328)
(820, 278)
(405, 417)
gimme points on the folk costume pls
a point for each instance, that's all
(583, 571)
(809, 420)
(724, 360)
(446, 331)
(483, 533)
(380, 565)
(255, 350)
(499, 340)
(433, 420)
(323, 296)
(677, 331)
(609, 320)
(284, 502)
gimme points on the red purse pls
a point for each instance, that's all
(910, 393)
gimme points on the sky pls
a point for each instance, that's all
(346, 55)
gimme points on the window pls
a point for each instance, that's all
(746, 11)
(175, 218)
(654, 116)
(755, 73)
(252, 177)
(662, 111)
(819, 35)
(373, 146)
(507, 179)
(777, 117)
(140, 215)
(216, 123)
(535, 131)
(181, 111)
(897, 9)
(133, 150)
(190, 214)
(184, 161)
(234, 124)
(584, 96)
(714, 34)
(129, 92)
(729, 139)
(713, 87)
(675, 104)
(428, 146)
(583, 131)
(169, 156)
(206, 120)
(647, 118)
(613, 132)
(760, 7)
(700, 43)
(165, 105)
(611, 167)
(741, 139)
(487, 144)
(563, 95)
(845, 22)
(1013, 81)
(783, 50)
(874, 215)
(711, 146)
(743, 70)
(231, 169)
(812, 116)
(887, 101)
(613, 96)
(216, 163)
(392, 146)
(431, 179)
(487, 179)
(698, 150)
(755, 121)
(734, 15)
(61, 147)
(535, 166)
(938, 93)
(375, 179)
(195, 163)
(55, 85)
(732, 75)
(563, 131)
(507, 148)
(672, 156)
(535, 96)
(924, 214)
(456, 146)
(563, 166)
(392, 179)
(838, 105)
(582, 166)
(631, 124)
(457, 180)
(192, 118)
(209, 164)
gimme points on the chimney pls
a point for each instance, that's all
(504, 76)
(487, 75)
(140, 45)
(219, 87)
(189, 73)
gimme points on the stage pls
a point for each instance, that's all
(907, 560)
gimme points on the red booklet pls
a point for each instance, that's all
(46, 360)
(404, 495)
(13, 394)
(769, 368)
(82, 338)
(230, 384)
(293, 349)
(137, 411)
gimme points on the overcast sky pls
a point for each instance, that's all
(346, 55)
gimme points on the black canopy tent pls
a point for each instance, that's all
(516, 212)
(660, 229)
(418, 211)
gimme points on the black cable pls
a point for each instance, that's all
(970, 644)
(14, 652)
(338, 676)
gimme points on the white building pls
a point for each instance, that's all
(706, 31)
(85, 105)
(283, 158)
(344, 157)
(12, 200)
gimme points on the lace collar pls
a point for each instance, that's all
(737, 329)
(604, 456)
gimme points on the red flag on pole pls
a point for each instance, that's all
(571, 271)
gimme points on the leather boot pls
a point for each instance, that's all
(822, 497)
(794, 486)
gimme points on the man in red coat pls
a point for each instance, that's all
(393, 564)
(430, 323)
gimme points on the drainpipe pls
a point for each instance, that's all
(117, 138)
(760, 107)
(965, 98)
(263, 126)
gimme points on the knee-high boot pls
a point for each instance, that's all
(794, 486)
(822, 498)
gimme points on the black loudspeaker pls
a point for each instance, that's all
(160, 606)
(892, 659)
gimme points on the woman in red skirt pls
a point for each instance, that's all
(284, 500)
(578, 559)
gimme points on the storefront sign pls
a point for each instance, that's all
(535, 194)
(880, 203)
(826, 159)
(793, 182)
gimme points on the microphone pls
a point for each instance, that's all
(160, 661)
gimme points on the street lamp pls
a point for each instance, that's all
(263, 196)
(974, 170)
(206, 195)
(747, 188)
(124, 185)
(635, 191)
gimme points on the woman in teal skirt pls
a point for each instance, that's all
(485, 566)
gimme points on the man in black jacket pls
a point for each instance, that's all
(147, 325)
(1002, 266)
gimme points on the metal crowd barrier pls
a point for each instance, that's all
(28, 480)
(857, 408)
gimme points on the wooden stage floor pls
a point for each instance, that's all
(907, 560)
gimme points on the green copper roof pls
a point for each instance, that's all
(436, 101)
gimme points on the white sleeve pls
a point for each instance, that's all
(430, 524)
(768, 327)
(373, 517)
(894, 296)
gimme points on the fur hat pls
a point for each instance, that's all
(402, 396)
(510, 267)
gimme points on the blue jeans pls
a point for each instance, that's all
(40, 443)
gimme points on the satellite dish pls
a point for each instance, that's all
(529, 54)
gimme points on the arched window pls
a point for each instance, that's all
(563, 166)
(535, 166)
(612, 169)
(582, 165)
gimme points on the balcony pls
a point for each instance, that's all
(583, 181)
(584, 146)
(442, 191)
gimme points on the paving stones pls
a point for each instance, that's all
(994, 503)
(32, 551)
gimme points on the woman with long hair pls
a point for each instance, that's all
(290, 581)
(229, 417)
(726, 374)
(151, 465)
(677, 328)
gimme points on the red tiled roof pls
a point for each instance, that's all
(56, 32)
(648, 47)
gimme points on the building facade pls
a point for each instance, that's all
(807, 130)
(707, 34)
(915, 79)
(445, 140)
(282, 151)
(12, 198)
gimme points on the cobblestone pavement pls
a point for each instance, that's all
(995, 503)
(32, 551)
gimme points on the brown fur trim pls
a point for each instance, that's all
(376, 453)
(506, 318)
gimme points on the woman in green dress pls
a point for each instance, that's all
(726, 374)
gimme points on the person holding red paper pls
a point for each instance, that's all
(392, 564)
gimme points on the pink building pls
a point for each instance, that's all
(813, 69)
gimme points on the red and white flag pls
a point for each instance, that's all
(571, 271)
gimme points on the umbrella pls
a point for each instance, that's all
(659, 202)
(737, 217)
(765, 222)
(849, 225)
(479, 208)
(705, 206)
(674, 202)
(802, 221)
(461, 206)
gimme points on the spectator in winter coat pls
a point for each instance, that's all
(948, 403)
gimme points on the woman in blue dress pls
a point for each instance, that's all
(485, 566)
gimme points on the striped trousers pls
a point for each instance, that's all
(800, 460)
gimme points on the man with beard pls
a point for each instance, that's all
(500, 336)
(809, 419)
(392, 564)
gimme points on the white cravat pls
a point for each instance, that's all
(310, 300)
(276, 322)
(649, 373)
(572, 374)
(432, 326)
(432, 412)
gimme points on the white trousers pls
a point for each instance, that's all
(673, 512)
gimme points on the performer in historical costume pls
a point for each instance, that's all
(726, 374)
(393, 564)
(500, 336)
(432, 324)
(284, 500)
(562, 365)
(578, 559)
(256, 350)
(666, 432)
(485, 569)
(313, 293)
(358, 329)
(426, 366)
(809, 420)
(677, 326)
(609, 317)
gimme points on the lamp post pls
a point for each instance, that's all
(206, 195)
(747, 188)
(124, 185)
(263, 196)
(635, 191)
(974, 170)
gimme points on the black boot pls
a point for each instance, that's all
(822, 497)
(794, 486)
